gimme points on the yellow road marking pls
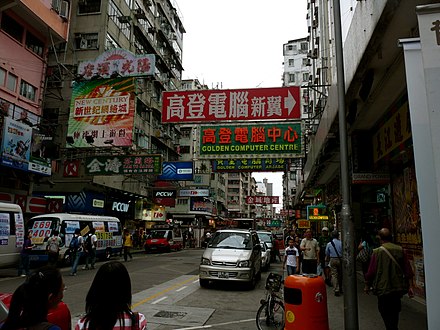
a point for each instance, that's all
(163, 292)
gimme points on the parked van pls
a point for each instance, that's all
(11, 234)
(108, 231)
(164, 240)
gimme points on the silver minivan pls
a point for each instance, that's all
(231, 255)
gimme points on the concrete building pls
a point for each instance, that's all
(28, 28)
(103, 34)
(383, 170)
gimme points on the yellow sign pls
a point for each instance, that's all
(303, 224)
(290, 317)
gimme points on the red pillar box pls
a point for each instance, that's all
(305, 303)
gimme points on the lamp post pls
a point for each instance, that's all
(349, 262)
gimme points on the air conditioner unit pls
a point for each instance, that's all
(64, 10)
(124, 19)
(56, 4)
(173, 36)
(83, 43)
(151, 30)
(147, 3)
(139, 13)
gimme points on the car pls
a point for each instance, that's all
(59, 315)
(164, 240)
(266, 237)
(265, 256)
(231, 255)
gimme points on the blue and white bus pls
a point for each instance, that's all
(108, 231)
(11, 234)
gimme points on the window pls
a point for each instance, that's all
(27, 90)
(305, 62)
(304, 46)
(11, 83)
(89, 6)
(305, 76)
(185, 149)
(110, 43)
(291, 62)
(2, 77)
(12, 27)
(290, 47)
(86, 41)
(291, 77)
(34, 44)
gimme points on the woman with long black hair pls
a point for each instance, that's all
(108, 302)
(32, 300)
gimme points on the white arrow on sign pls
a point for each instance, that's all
(289, 102)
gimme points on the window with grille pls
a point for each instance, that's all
(89, 6)
(86, 41)
(34, 44)
(11, 82)
(12, 27)
(291, 62)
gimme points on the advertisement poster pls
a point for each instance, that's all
(19, 230)
(249, 165)
(4, 228)
(101, 113)
(111, 165)
(16, 147)
(177, 171)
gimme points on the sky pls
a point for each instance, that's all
(232, 44)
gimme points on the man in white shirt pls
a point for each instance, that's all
(291, 258)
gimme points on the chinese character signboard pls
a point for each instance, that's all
(393, 133)
(317, 212)
(118, 62)
(236, 104)
(262, 200)
(101, 113)
(194, 193)
(303, 224)
(113, 165)
(249, 165)
(251, 141)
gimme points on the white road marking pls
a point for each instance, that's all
(159, 300)
(217, 325)
(182, 288)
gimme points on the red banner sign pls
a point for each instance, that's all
(231, 104)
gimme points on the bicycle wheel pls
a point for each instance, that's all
(270, 318)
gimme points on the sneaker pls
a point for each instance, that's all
(22, 275)
(85, 268)
(72, 274)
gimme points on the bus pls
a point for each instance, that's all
(108, 231)
(11, 234)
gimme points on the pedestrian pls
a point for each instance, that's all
(91, 243)
(323, 240)
(291, 258)
(76, 248)
(108, 302)
(310, 248)
(288, 237)
(389, 276)
(277, 248)
(30, 303)
(53, 248)
(333, 253)
(23, 268)
(127, 242)
(365, 249)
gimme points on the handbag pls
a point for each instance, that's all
(363, 256)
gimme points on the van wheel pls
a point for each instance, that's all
(108, 254)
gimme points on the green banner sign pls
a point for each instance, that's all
(251, 141)
(113, 165)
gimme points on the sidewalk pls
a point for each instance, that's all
(412, 316)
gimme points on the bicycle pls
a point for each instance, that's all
(270, 315)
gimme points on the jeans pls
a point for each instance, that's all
(75, 258)
(291, 270)
(91, 258)
(127, 252)
(23, 267)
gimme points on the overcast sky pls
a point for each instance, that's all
(239, 44)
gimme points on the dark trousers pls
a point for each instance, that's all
(127, 252)
(309, 266)
(389, 306)
(23, 267)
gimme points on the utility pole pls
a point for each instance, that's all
(351, 319)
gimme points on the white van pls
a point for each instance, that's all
(108, 231)
(11, 234)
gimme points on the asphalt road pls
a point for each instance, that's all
(165, 288)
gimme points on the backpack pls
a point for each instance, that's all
(74, 243)
(54, 246)
(89, 245)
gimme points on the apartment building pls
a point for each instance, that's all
(28, 29)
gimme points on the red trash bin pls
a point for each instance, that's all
(305, 303)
